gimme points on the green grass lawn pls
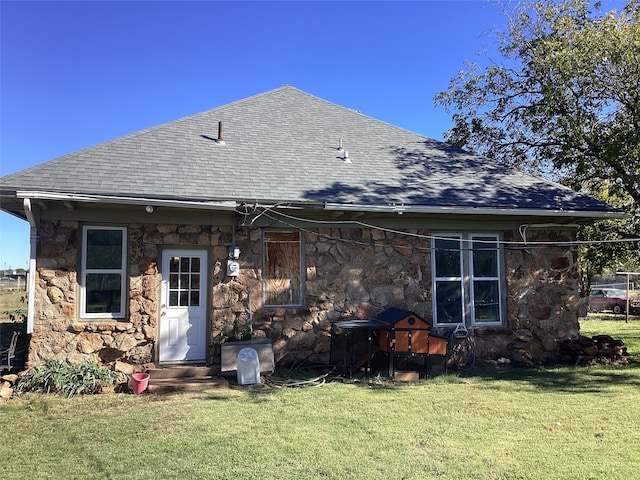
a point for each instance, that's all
(13, 306)
(560, 423)
(617, 327)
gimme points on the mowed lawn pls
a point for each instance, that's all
(561, 423)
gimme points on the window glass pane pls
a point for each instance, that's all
(449, 302)
(104, 249)
(184, 285)
(485, 257)
(486, 301)
(174, 264)
(447, 258)
(184, 299)
(173, 299)
(195, 264)
(282, 268)
(184, 264)
(104, 292)
(195, 298)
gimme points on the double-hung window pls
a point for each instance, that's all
(282, 268)
(467, 279)
(103, 279)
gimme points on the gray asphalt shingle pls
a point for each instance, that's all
(281, 146)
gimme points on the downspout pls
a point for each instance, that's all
(31, 281)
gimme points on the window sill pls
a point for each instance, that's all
(100, 325)
(490, 330)
(278, 311)
(477, 330)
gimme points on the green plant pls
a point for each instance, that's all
(238, 332)
(68, 379)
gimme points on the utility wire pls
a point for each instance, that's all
(508, 245)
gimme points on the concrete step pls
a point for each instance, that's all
(183, 371)
(176, 378)
(185, 384)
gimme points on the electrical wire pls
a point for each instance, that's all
(277, 216)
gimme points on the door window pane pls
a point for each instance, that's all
(174, 264)
(184, 284)
(173, 299)
(195, 298)
(195, 265)
(184, 299)
(184, 264)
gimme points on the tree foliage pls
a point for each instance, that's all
(564, 102)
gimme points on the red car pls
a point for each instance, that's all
(611, 299)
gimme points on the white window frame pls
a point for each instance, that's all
(440, 279)
(86, 271)
(467, 279)
(497, 277)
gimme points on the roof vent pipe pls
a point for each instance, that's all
(220, 140)
(340, 148)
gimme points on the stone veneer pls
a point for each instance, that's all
(356, 276)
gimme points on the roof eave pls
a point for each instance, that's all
(367, 208)
(108, 199)
(461, 210)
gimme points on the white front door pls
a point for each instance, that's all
(183, 313)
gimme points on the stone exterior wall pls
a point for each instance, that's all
(543, 298)
(349, 273)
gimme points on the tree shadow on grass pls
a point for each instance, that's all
(569, 380)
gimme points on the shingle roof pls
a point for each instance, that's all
(281, 146)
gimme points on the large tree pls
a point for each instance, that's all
(564, 102)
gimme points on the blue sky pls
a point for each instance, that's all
(74, 74)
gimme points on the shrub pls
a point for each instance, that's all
(68, 379)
